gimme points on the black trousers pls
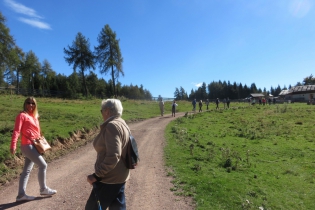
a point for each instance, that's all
(109, 195)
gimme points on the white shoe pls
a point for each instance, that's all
(25, 198)
(48, 191)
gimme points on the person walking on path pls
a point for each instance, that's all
(111, 173)
(27, 125)
(224, 102)
(194, 102)
(174, 105)
(161, 104)
(228, 103)
(200, 106)
(207, 103)
(217, 103)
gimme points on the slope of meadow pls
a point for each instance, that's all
(246, 157)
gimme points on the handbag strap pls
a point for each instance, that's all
(32, 140)
(128, 140)
(127, 128)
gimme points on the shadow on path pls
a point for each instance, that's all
(13, 204)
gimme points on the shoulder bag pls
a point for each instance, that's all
(41, 145)
(131, 159)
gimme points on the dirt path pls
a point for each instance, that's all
(147, 189)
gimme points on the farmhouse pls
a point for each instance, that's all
(305, 93)
(257, 95)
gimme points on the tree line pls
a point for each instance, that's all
(24, 71)
(232, 91)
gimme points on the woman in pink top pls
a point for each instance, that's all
(27, 126)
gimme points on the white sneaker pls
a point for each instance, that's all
(48, 191)
(25, 198)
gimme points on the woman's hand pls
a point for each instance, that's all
(12, 151)
(91, 179)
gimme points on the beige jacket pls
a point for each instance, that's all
(110, 144)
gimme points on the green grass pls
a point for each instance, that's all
(246, 157)
(242, 158)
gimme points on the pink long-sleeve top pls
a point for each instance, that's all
(26, 125)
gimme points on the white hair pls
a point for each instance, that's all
(114, 105)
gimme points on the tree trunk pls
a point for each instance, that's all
(17, 81)
(113, 78)
(84, 83)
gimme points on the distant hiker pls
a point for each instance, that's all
(110, 172)
(224, 102)
(228, 103)
(269, 101)
(27, 125)
(207, 103)
(161, 104)
(274, 100)
(194, 102)
(174, 105)
(217, 103)
(200, 106)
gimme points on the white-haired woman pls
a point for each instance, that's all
(27, 124)
(110, 173)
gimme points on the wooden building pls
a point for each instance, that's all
(305, 93)
(257, 95)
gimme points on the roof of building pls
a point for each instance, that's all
(284, 92)
(255, 95)
(299, 90)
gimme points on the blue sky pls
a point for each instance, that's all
(167, 44)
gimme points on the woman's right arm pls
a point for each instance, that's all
(12, 151)
(16, 132)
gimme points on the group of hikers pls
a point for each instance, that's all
(174, 105)
(262, 101)
(226, 103)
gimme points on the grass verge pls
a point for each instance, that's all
(246, 157)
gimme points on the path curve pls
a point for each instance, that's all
(147, 189)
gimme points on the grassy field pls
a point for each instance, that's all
(245, 157)
(242, 158)
(59, 119)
